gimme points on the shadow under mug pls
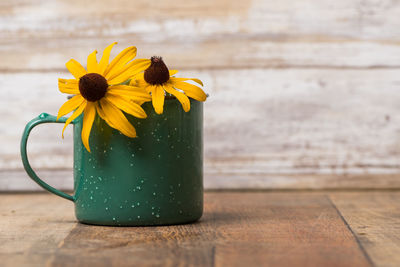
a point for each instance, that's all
(153, 179)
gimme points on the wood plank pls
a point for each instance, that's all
(308, 52)
(151, 246)
(37, 36)
(346, 122)
(342, 18)
(281, 181)
(283, 229)
(18, 180)
(237, 229)
(374, 218)
(348, 46)
(31, 227)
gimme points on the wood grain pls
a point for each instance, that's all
(374, 218)
(237, 229)
(258, 122)
(260, 33)
(18, 180)
(307, 52)
(31, 228)
(298, 90)
(283, 229)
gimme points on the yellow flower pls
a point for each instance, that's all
(99, 90)
(158, 80)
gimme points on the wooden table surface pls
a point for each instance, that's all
(238, 229)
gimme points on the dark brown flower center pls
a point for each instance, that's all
(157, 73)
(93, 86)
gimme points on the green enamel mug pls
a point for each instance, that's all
(153, 179)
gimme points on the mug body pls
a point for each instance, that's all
(153, 179)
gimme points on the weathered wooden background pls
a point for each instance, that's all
(304, 94)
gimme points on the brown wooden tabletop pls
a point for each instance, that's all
(237, 229)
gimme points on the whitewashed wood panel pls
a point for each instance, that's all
(17, 180)
(43, 35)
(304, 94)
(191, 19)
(263, 122)
(36, 56)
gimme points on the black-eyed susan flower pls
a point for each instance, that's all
(99, 90)
(158, 81)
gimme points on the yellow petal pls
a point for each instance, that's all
(102, 115)
(133, 92)
(139, 76)
(172, 72)
(180, 96)
(105, 58)
(140, 103)
(197, 81)
(138, 81)
(157, 94)
(70, 81)
(88, 118)
(173, 79)
(117, 118)
(133, 82)
(75, 68)
(120, 60)
(92, 65)
(191, 90)
(68, 86)
(148, 88)
(70, 105)
(74, 116)
(126, 105)
(128, 71)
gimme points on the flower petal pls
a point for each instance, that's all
(139, 76)
(180, 96)
(126, 105)
(120, 60)
(68, 86)
(173, 79)
(117, 118)
(157, 94)
(138, 80)
(70, 105)
(102, 115)
(88, 118)
(133, 92)
(105, 58)
(128, 71)
(92, 65)
(172, 72)
(75, 68)
(197, 81)
(191, 90)
(70, 81)
(74, 116)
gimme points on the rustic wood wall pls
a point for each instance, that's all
(304, 94)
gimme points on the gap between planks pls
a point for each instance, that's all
(18, 181)
(227, 68)
(360, 245)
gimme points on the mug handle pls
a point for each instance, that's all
(42, 118)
